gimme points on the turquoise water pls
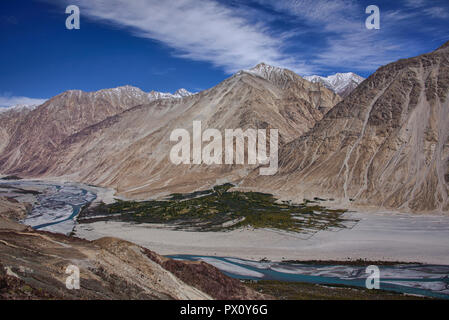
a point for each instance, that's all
(76, 208)
(56, 206)
(417, 279)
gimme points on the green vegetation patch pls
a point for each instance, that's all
(219, 209)
(11, 178)
(309, 291)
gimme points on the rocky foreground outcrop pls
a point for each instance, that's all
(33, 265)
(13, 209)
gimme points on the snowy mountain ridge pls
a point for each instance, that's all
(127, 91)
(341, 83)
(19, 108)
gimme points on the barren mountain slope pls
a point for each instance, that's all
(28, 138)
(10, 119)
(130, 151)
(387, 144)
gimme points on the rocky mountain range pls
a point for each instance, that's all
(127, 90)
(341, 83)
(117, 138)
(34, 133)
(384, 145)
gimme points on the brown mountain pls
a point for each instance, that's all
(385, 145)
(10, 119)
(30, 137)
(130, 150)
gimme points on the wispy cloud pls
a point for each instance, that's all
(415, 3)
(197, 29)
(340, 24)
(433, 8)
(348, 44)
(334, 14)
(10, 101)
(237, 35)
(437, 12)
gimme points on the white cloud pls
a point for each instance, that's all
(437, 12)
(358, 51)
(349, 45)
(198, 30)
(366, 50)
(228, 38)
(430, 8)
(10, 101)
(415, 3)
(238, 36)
(326, 15)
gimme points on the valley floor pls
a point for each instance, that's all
(376, 237)
(382, 236)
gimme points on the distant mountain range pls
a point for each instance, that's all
(341, 83)
(181, 93)
(19, 108)
(126, 90)
(385, 145)
(120, 137)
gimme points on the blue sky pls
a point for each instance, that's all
(195, 44)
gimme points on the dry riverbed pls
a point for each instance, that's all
(382, 236)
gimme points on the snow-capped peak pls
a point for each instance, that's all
(278, 76)
(180, 93)
(338, 78)
(156, 95)
(340, 83)
(19, 108)
(265, 70)
(313, 79)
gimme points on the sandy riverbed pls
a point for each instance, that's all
(378, 236)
